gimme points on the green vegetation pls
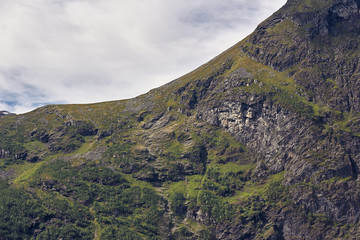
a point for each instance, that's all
(177, 201)
(22, 216)
(74, 201)
(77, 189)
(151, 167)
(92, 179)
(304, 6)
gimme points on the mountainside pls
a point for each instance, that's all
(262, 142)
(316, 42)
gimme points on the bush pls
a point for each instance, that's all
(177, 201)
(214, 206)
(275, 191)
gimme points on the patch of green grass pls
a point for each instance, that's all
(35, 146)
(334, 180)
(255, 188)
(173, 150)
(137, 183)
(233, 167)
(285, 28)
(87, 146)
(190, 187)
(306, 5)
(25, 172)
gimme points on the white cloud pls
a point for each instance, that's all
(81, 51)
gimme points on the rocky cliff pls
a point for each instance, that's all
(262, 142)
(316, 42)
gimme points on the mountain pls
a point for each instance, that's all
(4, 113)
(262, 142)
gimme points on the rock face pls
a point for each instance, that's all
(310, 150)
(262, 142)
(319, 47)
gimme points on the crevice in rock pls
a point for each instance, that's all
(354, 167)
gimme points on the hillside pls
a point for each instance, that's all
(262, 142)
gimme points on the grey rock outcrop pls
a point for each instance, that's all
(309, 149)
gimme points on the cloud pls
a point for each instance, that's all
(81, 51)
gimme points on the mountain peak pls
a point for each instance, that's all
(333, 17)
(316, 42)
(310, 5)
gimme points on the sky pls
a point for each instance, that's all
(87, 51)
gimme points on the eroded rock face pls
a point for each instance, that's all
(305, 34)
(303, 147)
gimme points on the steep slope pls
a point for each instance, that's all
(262, 142)
(316, 42)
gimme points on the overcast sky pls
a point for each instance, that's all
(85, 51)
